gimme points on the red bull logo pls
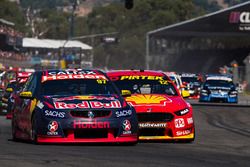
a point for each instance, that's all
(87, 104)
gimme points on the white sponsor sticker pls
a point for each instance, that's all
(152, 125)
(179, 123)
(183, 132)
(56, 114)
(190, 120)
(40, 105)
(123, 113)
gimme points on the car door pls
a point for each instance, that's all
(27, 104)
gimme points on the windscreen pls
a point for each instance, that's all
(219, 83)
(77, 87)
(146, 86)
(189, 79)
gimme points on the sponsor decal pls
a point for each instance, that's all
(153, 125)
(184, 111)
(24, 74)
(40, 105)
(138, 77)
(90, 125)
(183, 132)
(218, 88)
(72, 71)
(188, 75)
(190, 120)
(140, 99)
(52, 127)
(62, 105)
(149, 110)
(123, 113)
(126, 132)
(22, 80)
(179, 123)
(83, 98)
(72, 76)
(126, 125)
(241, 18)
(112, 104)
(91, 114)
(87, 104)
(220, 78)
(56, 114)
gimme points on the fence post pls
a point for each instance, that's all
(247, 76)
(235, 71)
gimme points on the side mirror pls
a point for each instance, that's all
(26, 95)
(185, 93)
(126, 93)
(9, 90)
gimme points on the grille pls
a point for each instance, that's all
(152, 132)
(91, 134)
(155, 132)
(91, 113)
(214, 99)
(154, 117)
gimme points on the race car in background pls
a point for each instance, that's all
(161, 111)
(192, 83)
(21, 79)
(72, 106)
(6, 94)
(218, 88)
(178, 82)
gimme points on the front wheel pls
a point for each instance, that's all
(13, 130)
(33, 134)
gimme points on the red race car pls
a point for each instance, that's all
(21, 79)
(161, 111)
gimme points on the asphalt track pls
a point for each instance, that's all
(222, 140)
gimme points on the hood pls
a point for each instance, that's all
(156, 103)
(83, 102)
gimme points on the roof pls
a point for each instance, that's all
(213, 23)
(135, 72)
(53, 44)
(224, 78)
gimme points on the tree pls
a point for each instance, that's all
(10, 11)
(132, 26)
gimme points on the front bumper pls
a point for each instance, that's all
(71, 139)
(179, 128)
(80, 130)
(185, 137)
(216, 98)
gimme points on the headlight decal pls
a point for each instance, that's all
(182, 112)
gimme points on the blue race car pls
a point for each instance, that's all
(219, 88)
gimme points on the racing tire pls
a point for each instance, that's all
(33, 135)
(13, 130)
